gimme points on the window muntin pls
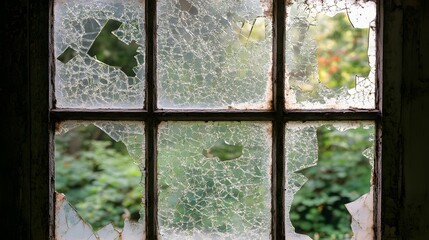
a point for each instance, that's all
(153, 115)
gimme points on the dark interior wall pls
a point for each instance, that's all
(405, 176)
(415, 121)
(24, 95)
(15, 132)
(26, 195)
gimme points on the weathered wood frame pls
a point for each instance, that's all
(44, 116)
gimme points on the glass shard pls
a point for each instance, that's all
(99, 46)
(214, 54)
(100, 167)
(108, 233)
(68, 224)
(132, 231)
(67, 55)
(362, 211)
(328, 180)
(210, 196)
(330, 54)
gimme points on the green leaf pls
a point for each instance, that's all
(224, 151)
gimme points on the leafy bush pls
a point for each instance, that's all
(98, 177)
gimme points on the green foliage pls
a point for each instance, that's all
(108, 49)
(341, 175)
(98, 177)
(341, 51)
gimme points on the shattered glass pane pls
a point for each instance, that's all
(214, 180)
(330, 54)
(329, 180)
(99, 46)
(99, 166)
(214, 54)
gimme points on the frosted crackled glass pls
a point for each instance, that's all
(214, 54)
(330, 54)
(329, 188)
(214, 180)
(99, 51)
(99, 167)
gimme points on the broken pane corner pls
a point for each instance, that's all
(70, 225)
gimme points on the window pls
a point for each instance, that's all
(239, 91)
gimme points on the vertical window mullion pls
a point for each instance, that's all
(278, 166)
(151, 193)
(377, 171)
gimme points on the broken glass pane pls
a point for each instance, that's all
(99, 167)
(214, 180)
(99, 47)
(329, 170)
(214, 54)
(330, 54)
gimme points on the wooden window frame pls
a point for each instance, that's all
(44, 117)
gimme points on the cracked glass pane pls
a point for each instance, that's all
(214, 54)
(329, 169)
(99, 51)
(330, 54)
(214, 180)
(99, 180)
